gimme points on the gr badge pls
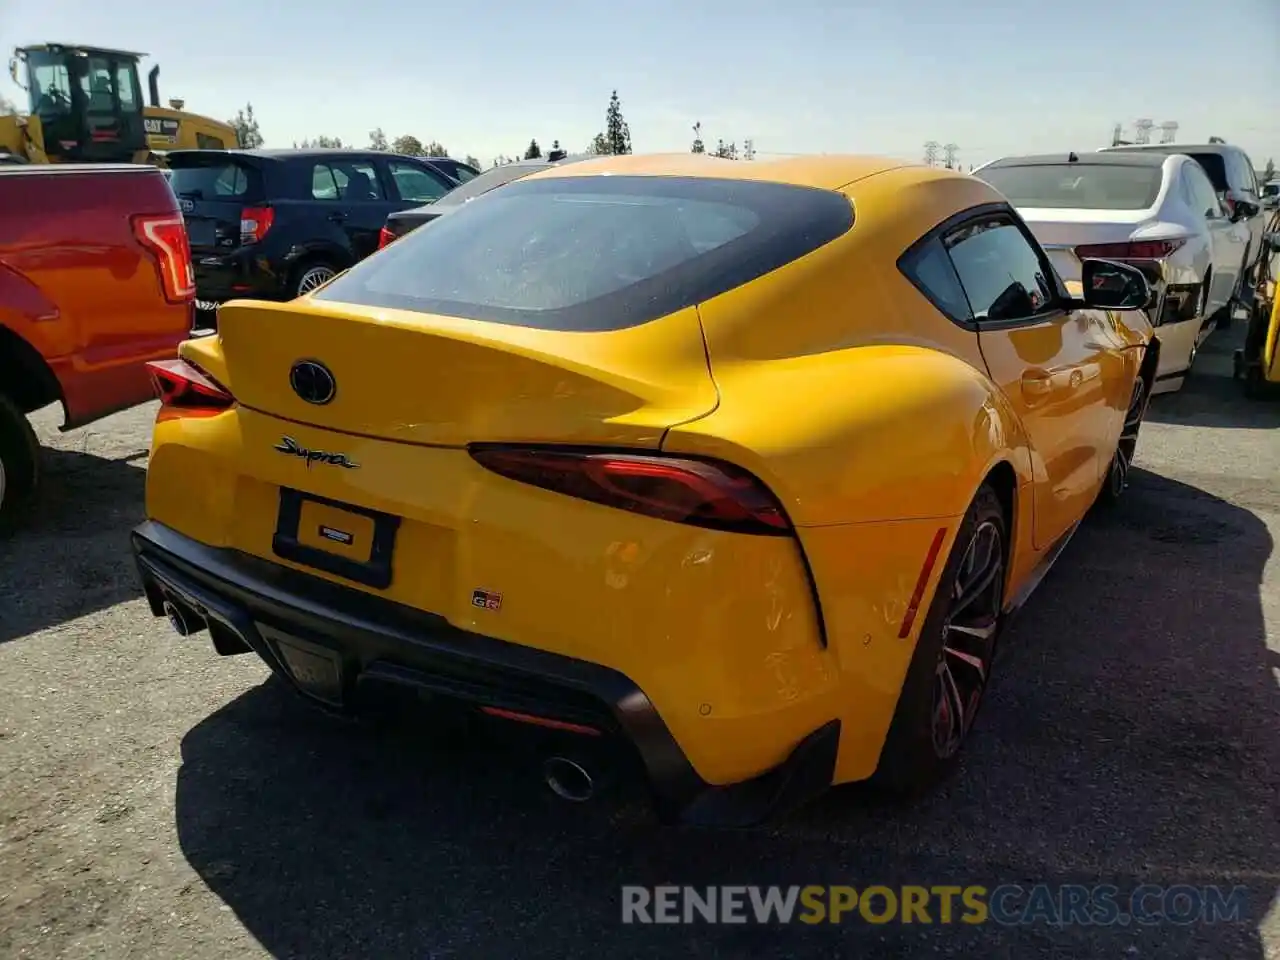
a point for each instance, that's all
(486, 599)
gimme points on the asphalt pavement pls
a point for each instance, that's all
(157, 801)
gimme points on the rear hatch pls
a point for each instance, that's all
(442, 381)
(214, 190)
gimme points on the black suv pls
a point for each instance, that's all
(274, 224)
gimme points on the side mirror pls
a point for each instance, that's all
(1240, 207)
(1109, 285)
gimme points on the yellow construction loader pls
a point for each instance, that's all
(85, 105)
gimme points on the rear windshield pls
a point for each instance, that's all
(595, 253)
(214, 178)
(459, 171)
(1080, 186)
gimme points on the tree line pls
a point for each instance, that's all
(613, 139)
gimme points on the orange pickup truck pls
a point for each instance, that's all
(95, 281)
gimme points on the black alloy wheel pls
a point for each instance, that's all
(1122, 460)
(950, 667)
(968, 639)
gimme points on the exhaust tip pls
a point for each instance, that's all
(568, 780)
(182, 622)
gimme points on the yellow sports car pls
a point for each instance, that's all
(742, 465)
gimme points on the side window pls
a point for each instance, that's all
(124, 87)
(1204, 197)
(1002, 274)
(930, 269)
(1248, 179)
(357, 182)
(323, 184)
(416, 184)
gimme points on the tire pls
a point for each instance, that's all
(929, 729)
(311, 274)
(19, 464)
(1117, 481)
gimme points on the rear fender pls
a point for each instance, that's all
(875, 452)
(875, 433)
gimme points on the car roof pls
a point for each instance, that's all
(827, 171)
(1173, 148)
(1093, 159)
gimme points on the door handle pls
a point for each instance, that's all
(337, 216)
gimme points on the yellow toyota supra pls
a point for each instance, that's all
(737, 468)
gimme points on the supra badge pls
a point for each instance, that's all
(486, 599)
(291, 446)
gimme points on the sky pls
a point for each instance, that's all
(994, 77)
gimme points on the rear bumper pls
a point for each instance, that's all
(355, 642)
(243, 273)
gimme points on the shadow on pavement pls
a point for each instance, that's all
(1132, 737)
(71, 557)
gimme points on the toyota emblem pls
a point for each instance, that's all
(313, 382)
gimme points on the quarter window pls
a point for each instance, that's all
(931, 270)
(1204, 197)
(1002, 274)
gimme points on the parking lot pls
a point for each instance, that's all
(160, 801)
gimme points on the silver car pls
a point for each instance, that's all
(1158, 212)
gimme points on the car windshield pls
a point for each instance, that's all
(1079, 186)
(595, 253)
(489, 180)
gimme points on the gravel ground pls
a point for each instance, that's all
(158, 801)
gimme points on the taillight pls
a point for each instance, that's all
(385, 236)
(698, 492)
(255, 222)
(186, 390)
(1137, 250)
(166, 238)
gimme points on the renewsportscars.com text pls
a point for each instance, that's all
(1008, 904)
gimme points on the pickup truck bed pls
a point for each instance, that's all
(95, 281)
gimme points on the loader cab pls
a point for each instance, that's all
(89, 101)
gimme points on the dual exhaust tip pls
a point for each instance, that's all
(567, 779)
(184, 621)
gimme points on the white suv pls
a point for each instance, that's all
(1233, 176)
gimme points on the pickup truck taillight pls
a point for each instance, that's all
(166, 237)
(385, 236)
(186, 390)
(255, 222)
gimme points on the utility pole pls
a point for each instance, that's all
(1168, 130)
(1142, 131)
(950, 150)
(748, 149)
(931, 153)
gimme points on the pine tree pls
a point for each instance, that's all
(616, 131)
(1269, 173)
(534, 152)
